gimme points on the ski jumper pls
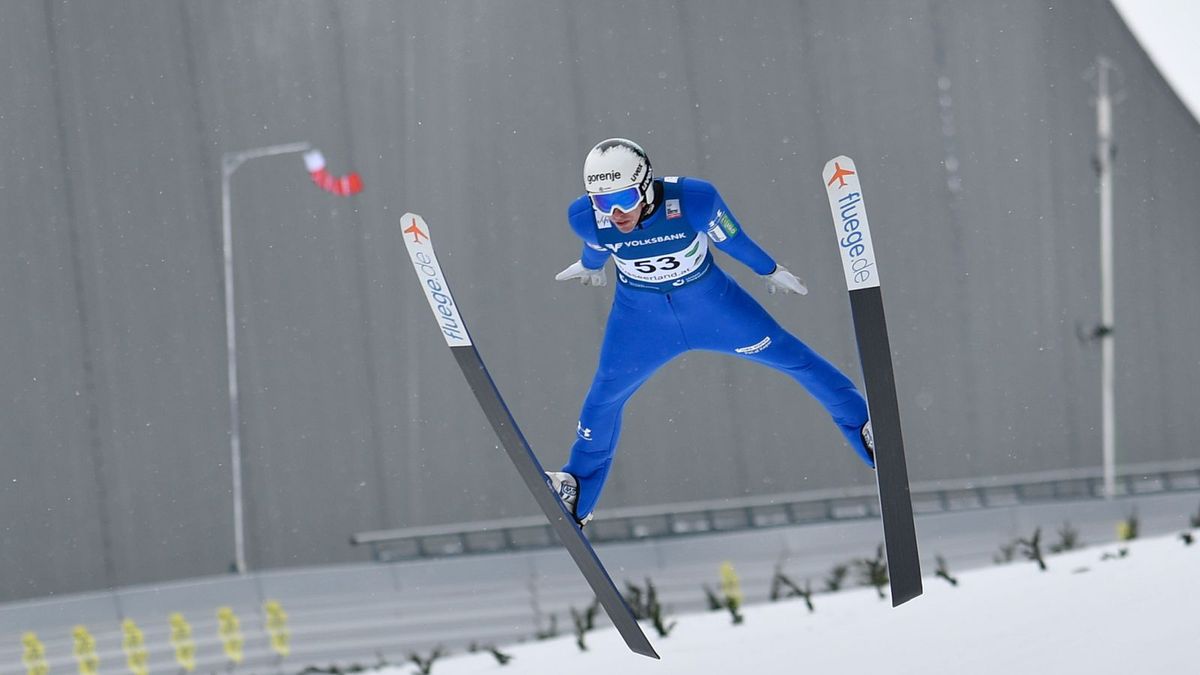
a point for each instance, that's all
(671, 298)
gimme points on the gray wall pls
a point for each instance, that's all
(477, 115)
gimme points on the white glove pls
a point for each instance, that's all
(588, 277)
(783, 279)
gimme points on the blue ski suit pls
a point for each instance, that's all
(671, 298)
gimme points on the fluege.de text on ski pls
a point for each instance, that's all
(861, 258)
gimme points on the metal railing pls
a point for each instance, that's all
(729, 515)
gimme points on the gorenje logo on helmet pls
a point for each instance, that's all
(608, 175)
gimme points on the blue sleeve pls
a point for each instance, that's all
(708, 213)
(583, 222)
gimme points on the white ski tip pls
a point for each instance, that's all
(415, 231)
(411, 219)
(838, 171)
(843, 159)
(850, 221)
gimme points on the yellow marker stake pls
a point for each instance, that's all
(134, 646)
(1127, 529)
(85, 651)
(277, 628)
(181, 640)
(730, 586)
(230, 630)
(34, 656)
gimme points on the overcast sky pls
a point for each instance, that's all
(1168, 31)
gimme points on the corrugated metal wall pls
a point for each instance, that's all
(972, 123)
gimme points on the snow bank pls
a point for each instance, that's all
(1133, 614)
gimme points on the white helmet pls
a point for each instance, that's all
(617, 175)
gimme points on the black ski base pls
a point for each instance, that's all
(891, 470)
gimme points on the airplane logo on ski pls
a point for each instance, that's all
(839, 174)
(416, 232)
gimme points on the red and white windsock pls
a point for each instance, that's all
(343, 186)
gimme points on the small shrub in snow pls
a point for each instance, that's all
(645, 605)
(944, 572)
(873, 572)
(1007, 552)
(584, 622)
(1032, 548)
(551, 632)
(1068, 539)
(1121, 553)
(345, 670)
(836, 578)
(633, 598)
(783, 587)
(500, 656)
(425, 664)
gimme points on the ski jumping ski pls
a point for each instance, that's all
(454, 330)
(866, 305)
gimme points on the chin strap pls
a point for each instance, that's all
(649, 206)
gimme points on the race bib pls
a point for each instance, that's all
(669, 267)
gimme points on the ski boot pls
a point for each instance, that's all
(567, 489)
(868, 441)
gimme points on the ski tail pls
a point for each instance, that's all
(870, 329)
(454, 330)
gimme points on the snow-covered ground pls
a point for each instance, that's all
(1134, 614)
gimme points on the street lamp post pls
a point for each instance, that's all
(1104, 333)
(230, 162)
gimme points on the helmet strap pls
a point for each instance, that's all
(650, 203)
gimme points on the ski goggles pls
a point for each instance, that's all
(624, 199)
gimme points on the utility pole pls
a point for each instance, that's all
(1104, 332)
